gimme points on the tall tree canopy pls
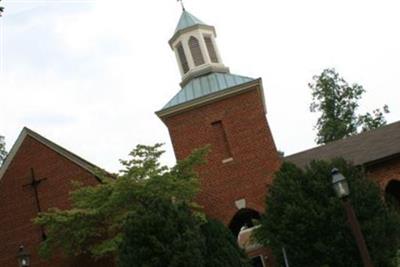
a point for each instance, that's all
(337, 101)
(3, 152)
(306, 218)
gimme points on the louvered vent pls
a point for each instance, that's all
(211, 49)
(182, 58)
(196, 51)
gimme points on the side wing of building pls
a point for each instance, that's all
(377, 151)
(55, 168)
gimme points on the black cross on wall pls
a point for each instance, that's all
(34, 185)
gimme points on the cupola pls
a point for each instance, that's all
(195, 48)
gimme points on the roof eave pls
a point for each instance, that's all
(93, 169)
(13, 151)
(203, 70)
(325, 152)
(189, 29)
(378, 161)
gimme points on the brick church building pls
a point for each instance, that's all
(213, 107)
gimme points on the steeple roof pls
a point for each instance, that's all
(206, 85)
(187, 20)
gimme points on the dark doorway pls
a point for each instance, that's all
(392, 193)
(244, 217)
(257, 262)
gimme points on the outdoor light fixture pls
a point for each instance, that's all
(23, 257)
(340, 184)
(341, 188)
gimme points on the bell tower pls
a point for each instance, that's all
(227, 111)
(194, 45)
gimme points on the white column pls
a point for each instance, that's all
(216, 49)
(203, 48)
(188, 54)
(179, 61)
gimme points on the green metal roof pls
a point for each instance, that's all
(206, 85)
(187, 20)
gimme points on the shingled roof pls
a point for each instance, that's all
(364, 148)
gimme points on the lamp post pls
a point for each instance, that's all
(23, 257)
(341, 188)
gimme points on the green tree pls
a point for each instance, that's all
(221, 247)
(144, 217)
(372, 121)
(337, 101)
(306, 218)
(165, 233)
(93, 226)
(162, 233)
(3, 152)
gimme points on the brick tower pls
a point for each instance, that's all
(228, 112)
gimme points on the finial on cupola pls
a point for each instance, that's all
(183, 6)
(195, 48)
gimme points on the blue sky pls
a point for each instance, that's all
(89, 75)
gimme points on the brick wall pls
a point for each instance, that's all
(18, 206)
(250, 145)
(384, 172)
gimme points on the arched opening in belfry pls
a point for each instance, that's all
(244, 218)
(392, 193)
(195, 49)
(182, 58)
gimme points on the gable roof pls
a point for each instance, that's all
(205, 85)
(187, 20)
(90, 167)
(364, 148)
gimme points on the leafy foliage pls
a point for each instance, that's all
(372, 121)
(221, 247)
(161, 233)
(306, 218)
(94, 223)
(338, 101)
(143, 217)
(165, 233)
(3, 152)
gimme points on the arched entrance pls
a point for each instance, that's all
(244, 217)
(242, 226)
(392, 193)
